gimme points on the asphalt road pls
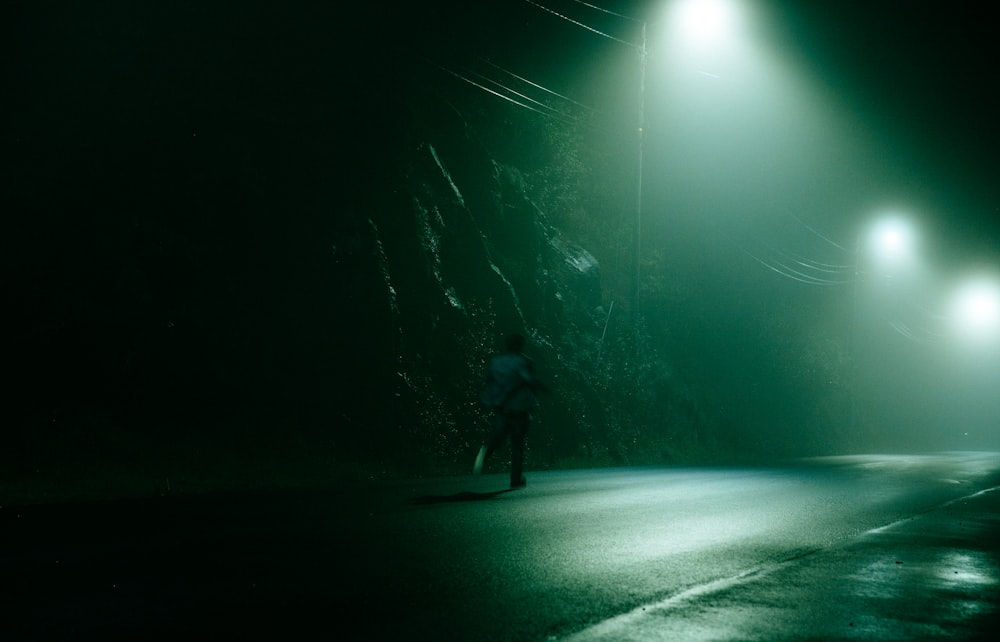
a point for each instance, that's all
(877, 547)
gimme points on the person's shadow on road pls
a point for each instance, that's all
(466, 496)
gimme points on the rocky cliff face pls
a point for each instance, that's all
(454, 256)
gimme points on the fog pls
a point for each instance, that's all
(766, 167)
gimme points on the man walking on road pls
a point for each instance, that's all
(510, 393)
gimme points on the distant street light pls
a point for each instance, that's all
(890, 242)
(975, 310)
(887, 244)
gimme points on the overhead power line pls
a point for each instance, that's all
(548, 112)
(537, 86)
(580, 24)
(603, 10)
(496, 83)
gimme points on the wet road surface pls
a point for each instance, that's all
(876, 547)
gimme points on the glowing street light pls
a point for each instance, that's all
(891, 241)
(704, 22)
(975, 310)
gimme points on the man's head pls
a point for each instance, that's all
(515, 342)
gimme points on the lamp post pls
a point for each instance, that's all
(638, 195)
(888, 243)
(697, 26)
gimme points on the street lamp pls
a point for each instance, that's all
(704, 22)
(975, 310)
(887, 244)
(693, 26)
(891, 241)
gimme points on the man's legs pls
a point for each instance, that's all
(518, 427)
(501, 428)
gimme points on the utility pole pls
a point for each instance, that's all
(854, 337)
(638, 196)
